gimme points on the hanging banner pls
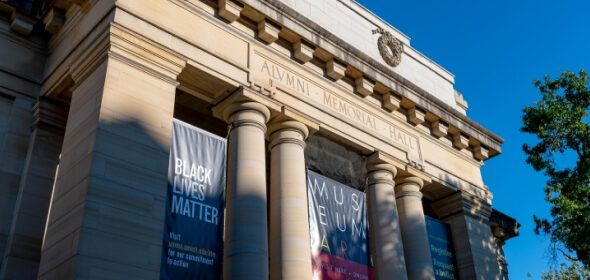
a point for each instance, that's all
(192, 247)
(441, 249)
(338, 227)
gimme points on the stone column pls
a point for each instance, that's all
(245, 254)
(473, 241)
(23, 251)
(290, 253)
(386, 239)
(413, 228)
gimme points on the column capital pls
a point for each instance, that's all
(465, 204)
(246, 114)
(239, 110)
(380, 173)
(239, 106)
(50, 113)
(409, 186)
(286, 124)
(378, 161)
(287, 131)
(381, 166)
(380, 170)
(245, 107)
(290, 126)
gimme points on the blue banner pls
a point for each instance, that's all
(192, 247)
(441, 249)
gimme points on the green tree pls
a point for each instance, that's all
(574, 271)
(561, 124)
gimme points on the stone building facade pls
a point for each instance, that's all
(89, 90)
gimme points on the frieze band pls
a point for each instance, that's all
(268, 72)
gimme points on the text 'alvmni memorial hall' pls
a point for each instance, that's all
(235, 139)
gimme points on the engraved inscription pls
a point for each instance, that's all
(268, 72)
(345, 108)
(285, 77)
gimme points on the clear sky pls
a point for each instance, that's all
(496, 49)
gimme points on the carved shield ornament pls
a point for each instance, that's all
(390, 48)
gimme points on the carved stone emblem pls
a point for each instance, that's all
(390, 48)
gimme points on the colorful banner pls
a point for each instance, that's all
(192, 247)
(441, 249)
(338, 227)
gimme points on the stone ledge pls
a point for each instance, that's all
(375, 70)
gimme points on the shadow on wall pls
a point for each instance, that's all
(470, 233)
(394, 246)
(109, 197)
(335, 161)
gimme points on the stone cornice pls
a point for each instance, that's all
(109, 40)
(74, 54)
(34, 44)
(504, 227)
(377, 71)
(116, 39)
(369, 75)
(83, 62)
(145, 54)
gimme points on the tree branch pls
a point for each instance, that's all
(568, 256)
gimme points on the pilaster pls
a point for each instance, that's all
(503, 228)
(23, 250)
(473, 240)
(15, 132)
(109, 193)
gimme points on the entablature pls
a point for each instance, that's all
(348, 104)
(275, 21)
(309, 43)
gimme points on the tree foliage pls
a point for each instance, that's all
(561, 124)
(574, 271)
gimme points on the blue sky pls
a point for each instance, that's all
(496, 49)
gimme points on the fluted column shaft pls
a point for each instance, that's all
(413, 228)
(290, 255)
(245, 254)
(386, 240)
